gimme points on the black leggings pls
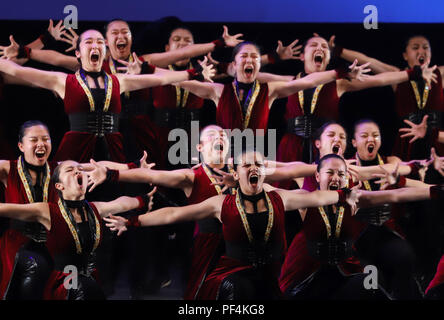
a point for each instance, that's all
(249, 284)
(394, 259)
(87, 289)
(31, 272)
(329, 284)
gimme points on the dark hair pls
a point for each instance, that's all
(318, 133)
(239, 46)
(327, 157)
(407, 40)
(55, 175)
(105, 28)
(174, 28)
(362, 121)
(245, 149)
(29, 124)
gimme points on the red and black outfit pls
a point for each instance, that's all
(382, 243)
(22, 246)
(94, 131)
(208, 245)
(305, 112)
(135, 123)
(249, 269)
(414, 100)
(316, 263)
(72, 243)
(174, 107)
(252, 112)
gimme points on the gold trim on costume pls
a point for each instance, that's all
(243, 216)
(27, 184)
(113, 69)
(425, 95)
(180, 102)
(73, 230)
(327, 221)
(314, 100)
(109, 90)
(246, 121)
(365, 182)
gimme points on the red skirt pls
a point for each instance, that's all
(205, 248)
(80, 146)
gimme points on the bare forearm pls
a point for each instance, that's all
(55, 58)
(295, 170)
(376, 65)
(377, 198)
(166, 58)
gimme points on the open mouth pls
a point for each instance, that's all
(40, 154)
(248, 71)
(318, 59)
(370, 148)
(254, 178)
(335, 149)
(218, 147)
(80, 180)
(333, 187)
(95, 57)
(421, 60)
(121, 46)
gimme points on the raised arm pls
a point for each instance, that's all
(55, 58)
(204, 90)
(193, 50)
(285, 89)
(137, 82)
(384, 79)
(54, 81)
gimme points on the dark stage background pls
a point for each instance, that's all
(386, 43)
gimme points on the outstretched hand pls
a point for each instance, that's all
(428, 74)
(359, 72)
(224, 179)
(57, 31)
(353, 198)
(231, 41)
(96, 176)
(10, 52)
(292, 51)
(208, 70)
(70, 39)
(134, 67)
(387, 178)
(416, 131)
(116, 223)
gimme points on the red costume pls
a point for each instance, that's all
(235, 237)
(64, 250)
(407, 108)
(14, 238)
(208, 241)
(136, 125)
(323, 106)
(229, 113)
(79, 144)
(173, 108)
(300, 263)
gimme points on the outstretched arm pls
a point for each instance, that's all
(209, 208)
(181, 179)
(123, 204)
(194, 50)
(290, 171)
(296, 199)
(137, 82)
(54, 81)
(30, 212)
(377, 198)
